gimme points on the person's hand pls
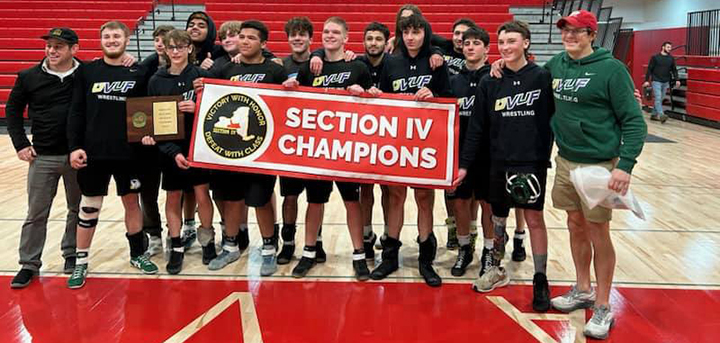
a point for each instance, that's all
(349, 55)
(390, 46)
(198, 84)
(638, 97)
(277, 60)
(236, 59)
(316, 65)
(423, 94)
(436, 61)
(208, 62)
(127, 60)
(355, 89)
(496, 69)
(374, 91)
(646, 84)
(27, 154)
(182, 162)
(619, 181)
(187, 106)
(677, 84)
(462, 173)
(148, 140)
(78, 159)
(291, 83)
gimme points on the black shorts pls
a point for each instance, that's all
(255, 189)
(176, 179)
(317, 191)
(501, 200)
(94, 179)
(466, 190)
(349, 191)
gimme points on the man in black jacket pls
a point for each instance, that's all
(46, 91)
(409, 72)
(662, 71)
(99, 146)
(515, 113)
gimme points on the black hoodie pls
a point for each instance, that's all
(404, 74)
(208, 46)
(464, 86)
(164, 83)
(516, 109)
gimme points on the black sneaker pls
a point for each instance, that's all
(22, 278)
(390, 259)
(518, 254)
(69, 265)
(174, 265)
(362, 273)
(304, 266)
(541, 293)
(209, 253)
(465, 257)
(485, 261)
(368, 246)
(428, 273)
(286, 254)
(320, 256)
(663, 119)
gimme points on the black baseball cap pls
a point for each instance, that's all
(62, 33)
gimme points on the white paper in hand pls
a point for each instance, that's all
(592, 185)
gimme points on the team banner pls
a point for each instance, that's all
(325, 134)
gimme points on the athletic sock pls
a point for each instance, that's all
(488, 243)
(176, 244)
(463, 240)
(521, 236)
(367, 230)
(386, 230)
(83, 256)
(243, 227)
(191, 222)
(473, 226)
(540, 262)
(358, 254)
(136, 242)
(309, 251)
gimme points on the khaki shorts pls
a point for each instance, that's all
(565, 197)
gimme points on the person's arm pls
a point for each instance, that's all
(476, 124)
(674, 72)
(14, 109)
(268, 54)
(76, 116)
(650, 68)
(629, 116)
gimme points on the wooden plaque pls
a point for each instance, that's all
(155, 116)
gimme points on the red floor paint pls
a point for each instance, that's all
(151, 310)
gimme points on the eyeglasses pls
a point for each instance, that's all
(574, 32)
(176, 47)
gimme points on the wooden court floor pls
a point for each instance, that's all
(676, 248)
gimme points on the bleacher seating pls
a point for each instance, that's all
(23, 22)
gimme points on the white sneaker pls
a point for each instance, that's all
(573, 300)
(155, 246)
(599, 325)
(495, 277)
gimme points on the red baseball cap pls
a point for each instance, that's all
(579, 19)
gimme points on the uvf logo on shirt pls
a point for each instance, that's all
(236, 126)
(254, 78)
(401, 85)
(520, 99)
(328, 80)
(112, 87)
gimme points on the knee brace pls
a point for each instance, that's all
(89, 211)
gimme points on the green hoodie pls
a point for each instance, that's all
(596, 115)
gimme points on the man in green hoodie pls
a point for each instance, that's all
(597, 123)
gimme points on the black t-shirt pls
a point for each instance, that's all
(339, 74)
(291, 66)
(265, 72)
(97, 120)
(374, 70)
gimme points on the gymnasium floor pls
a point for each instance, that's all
(667, 275)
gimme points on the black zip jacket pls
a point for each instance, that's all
(97, 121)
(338, 74)
(164, 83)
(404, 74)
(464, 86)
(516, 109)
(48, 101)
